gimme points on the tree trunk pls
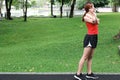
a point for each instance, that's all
(61, 9)
(0, 14)
(0, 11)
(51, 7)
(115, 8)
(1, 2)
(25, 9)
(8, 9)
(72, 9)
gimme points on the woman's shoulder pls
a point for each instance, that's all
(88, 15)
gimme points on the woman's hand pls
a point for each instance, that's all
(96, 21)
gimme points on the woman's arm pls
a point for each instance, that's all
(98, 20)
(90, 19)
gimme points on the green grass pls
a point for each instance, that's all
(55, 45)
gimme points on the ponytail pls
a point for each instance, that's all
(87, 6)
(84, 16)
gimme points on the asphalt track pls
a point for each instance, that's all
(53, 76)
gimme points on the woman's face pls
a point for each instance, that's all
(92, 9)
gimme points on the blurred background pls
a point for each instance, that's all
(54, 8)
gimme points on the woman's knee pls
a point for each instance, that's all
(85, 57)
(90, 57)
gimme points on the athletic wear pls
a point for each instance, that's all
(92, 28)
(91, 76)
(90, 41)
(79, 77)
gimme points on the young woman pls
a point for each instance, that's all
(90, 41)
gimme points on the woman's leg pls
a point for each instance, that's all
(89, 61)
(84, 57)
(89, 66)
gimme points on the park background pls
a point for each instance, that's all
(54, 44)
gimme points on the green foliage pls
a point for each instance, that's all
(100, 3)
(80, 4)
(52, 1)
(117, 2)
(97, 3)
(19, 4)
(64, 1)
(33, 3)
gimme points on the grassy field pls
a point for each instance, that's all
(55, 45)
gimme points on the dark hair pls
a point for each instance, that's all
(87, 6)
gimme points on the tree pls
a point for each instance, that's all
(97, 3)
(116, 3)
(62, 2)
(100, 3)
(61, 8)
(25, 9)
(1, 2)
(18, 4)
(52, 2)
(23, 4)
(72, 8)
(8, 9)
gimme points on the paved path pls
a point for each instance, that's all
(51, 76)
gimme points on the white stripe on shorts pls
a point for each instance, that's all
(89, 45)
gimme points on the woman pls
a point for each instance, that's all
(90, 41)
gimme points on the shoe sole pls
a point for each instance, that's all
(92, 77)
(77, 78)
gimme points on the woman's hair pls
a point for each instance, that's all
(87, 6)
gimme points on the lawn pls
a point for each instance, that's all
(56, 45)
